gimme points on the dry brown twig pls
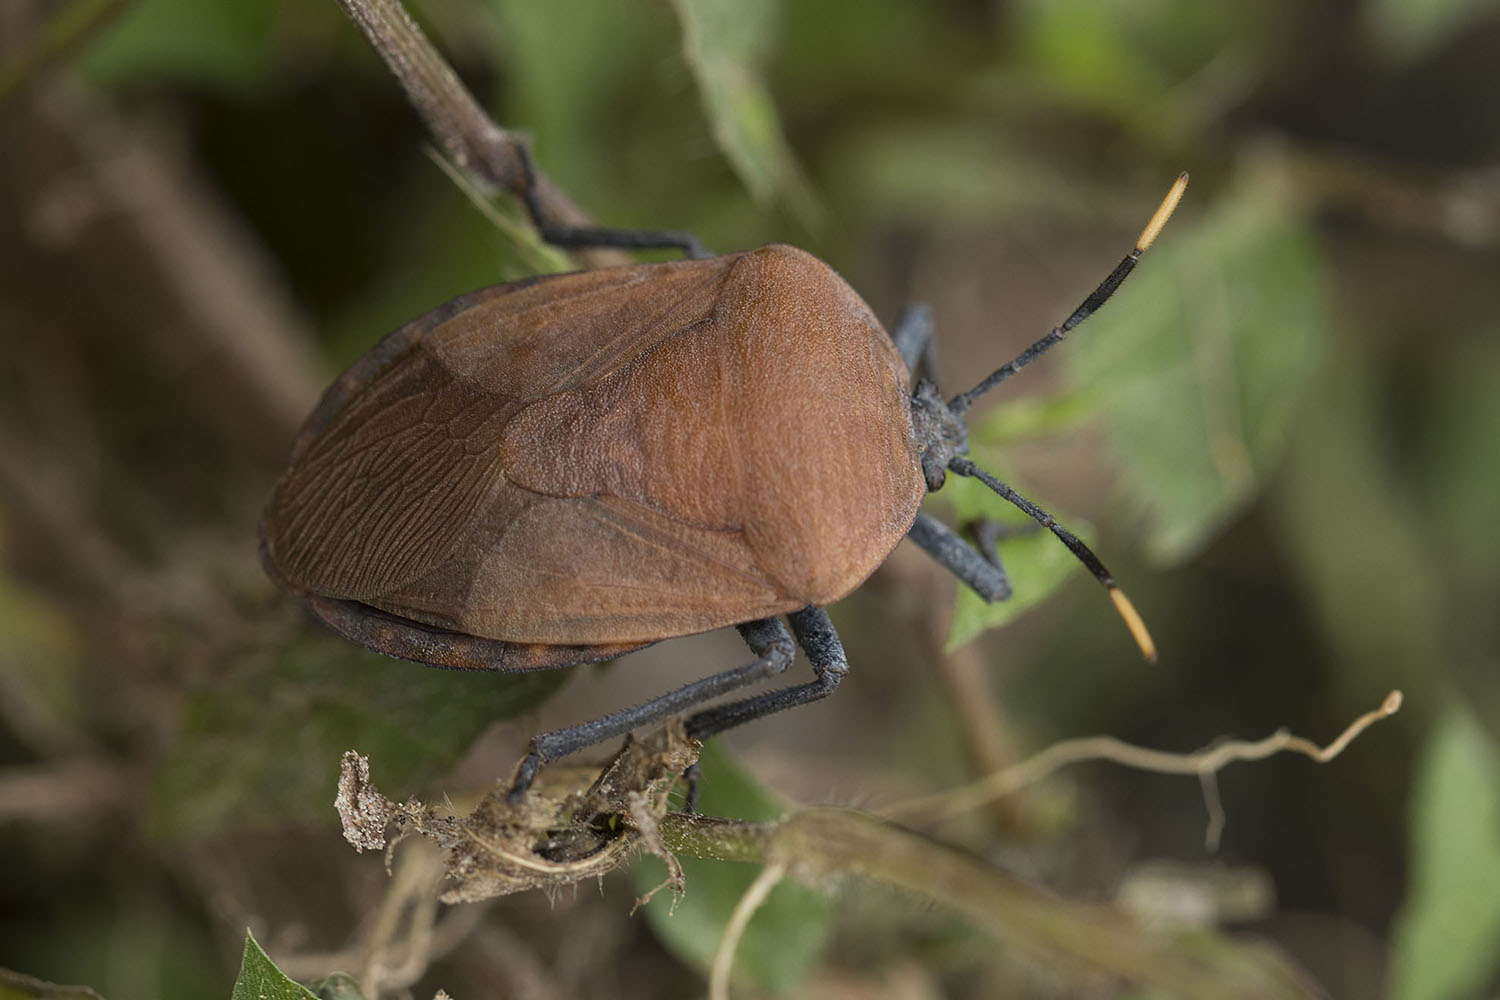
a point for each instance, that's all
(393, 964)
(557, 835)
(485, 152)
(1206, 764)
(563, 836)
(729, 941)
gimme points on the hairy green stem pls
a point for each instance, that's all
(822, 844)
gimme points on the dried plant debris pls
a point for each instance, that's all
(563, 830)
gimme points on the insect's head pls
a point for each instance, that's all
(941, 433)
(943, 438)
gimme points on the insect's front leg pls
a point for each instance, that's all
(983, 574)
(914, 341)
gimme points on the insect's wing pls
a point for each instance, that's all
(394, 470)
(388, 488)
(592, 570)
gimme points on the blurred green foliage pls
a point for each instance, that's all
(39, 649)
(1199, 373)
(219, 45)
(1293, 403)
(727, 42)
(1407, 30)
(1444, 944)
(261, 744)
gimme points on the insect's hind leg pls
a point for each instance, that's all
(589, 237)
(767, 639)
(816, 635)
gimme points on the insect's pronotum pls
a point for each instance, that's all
(563, 469)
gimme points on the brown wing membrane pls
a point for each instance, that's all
(595, 570)
(392, 470)
(781, 418)
(607, 458)
(381, 496)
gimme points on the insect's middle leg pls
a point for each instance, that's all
(767, 638)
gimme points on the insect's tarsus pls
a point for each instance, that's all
(593, 237)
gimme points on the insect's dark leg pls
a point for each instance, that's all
(914, 340)
(984, 577)
(585, 237)
(767, 638)
(817, 638)
(987, 533)
(690, 797)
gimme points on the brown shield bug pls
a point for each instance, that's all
(563, 469)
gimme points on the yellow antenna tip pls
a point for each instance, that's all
(1163, 213)
(1133, 622)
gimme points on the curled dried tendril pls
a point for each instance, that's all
(567, 827)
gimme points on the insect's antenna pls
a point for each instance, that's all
(1127, 611)
(1090, 305)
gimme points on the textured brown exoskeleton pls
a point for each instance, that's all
(559, 470)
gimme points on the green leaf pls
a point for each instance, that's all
(338, 986)
(1360, 541)
(262, 746)
(18, 986)
(1034, 560)
(1409, 30)
(1444, 941)
(726, 43)
(1198, 367)
(1457, 462)
(259, 979)
(787, 933)
(575, 71)
(1024, 419)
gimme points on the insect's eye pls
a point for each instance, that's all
(933, 472)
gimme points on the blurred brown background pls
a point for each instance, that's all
(1280, 436)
